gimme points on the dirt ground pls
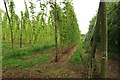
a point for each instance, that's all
(112, 66)
(60, 69)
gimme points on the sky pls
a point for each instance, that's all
(85, 10)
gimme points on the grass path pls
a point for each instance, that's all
(48, 69)
(60, 69)
(51, 50)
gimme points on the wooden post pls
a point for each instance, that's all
(104, 43)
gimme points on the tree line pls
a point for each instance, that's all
(59, 27)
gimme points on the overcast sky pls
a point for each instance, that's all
(84, 9)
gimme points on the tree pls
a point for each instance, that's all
(27, 29)
(11, 6)
(4, 26)
(32, 7)
(1, 11)
(40, 19)
(21, 28)
(113, 29)
(70, 25)
(53, 5)
(56, 31)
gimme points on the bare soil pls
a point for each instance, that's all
(60, 69)
(52, 69)
(112, 65)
